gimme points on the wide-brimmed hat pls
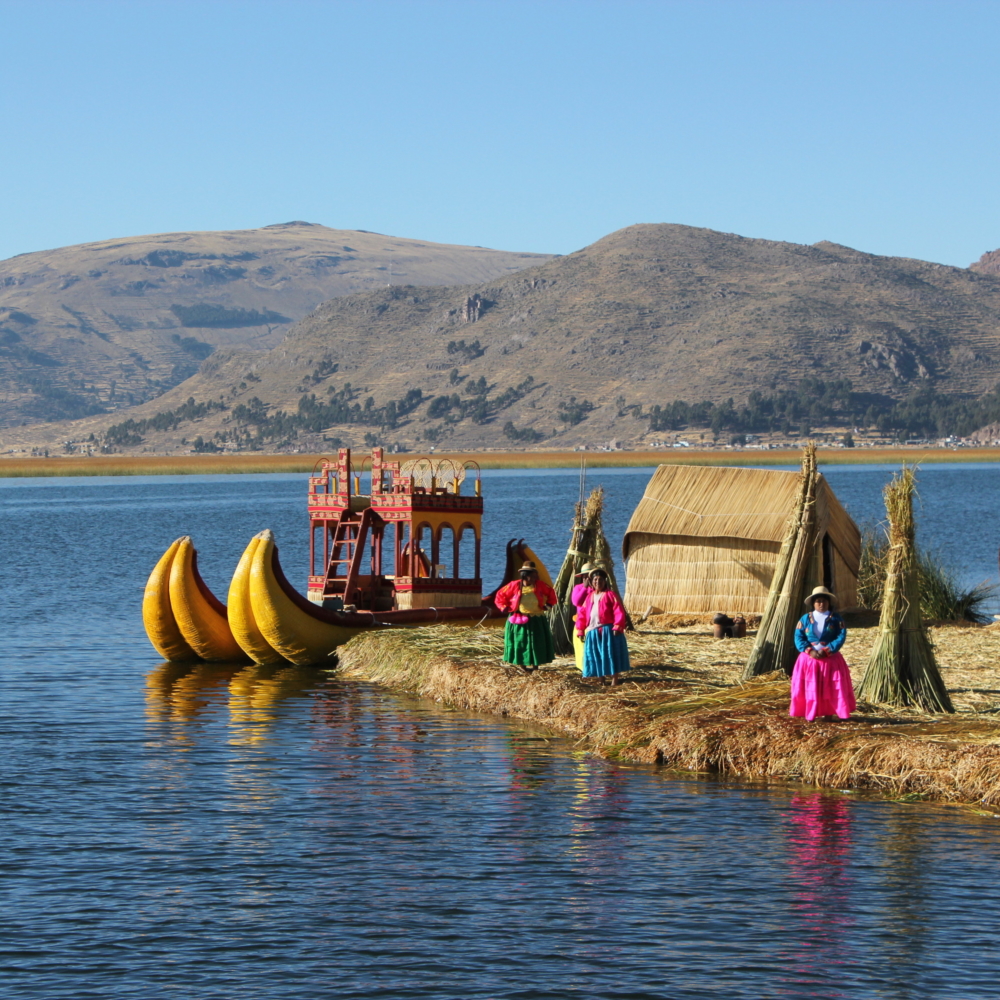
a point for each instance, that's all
(587, 568)
(820, 592)
(528, 567)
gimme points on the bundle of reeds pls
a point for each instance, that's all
(902, 669)
(774, 648)
(588, 544)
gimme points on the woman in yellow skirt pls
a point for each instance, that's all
(580, 594)
(527, 636)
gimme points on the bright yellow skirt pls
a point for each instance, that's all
(578, 645)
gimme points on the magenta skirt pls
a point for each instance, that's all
(821, 687)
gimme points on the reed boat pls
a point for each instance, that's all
(184, 619)
(414, 520)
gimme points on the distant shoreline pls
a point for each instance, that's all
(195, 465)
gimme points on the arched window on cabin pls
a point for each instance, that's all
(467, 553)
(423, 536)
(445, 557)
(318, 548)
(400, 543)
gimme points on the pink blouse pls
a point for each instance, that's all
(610, 611)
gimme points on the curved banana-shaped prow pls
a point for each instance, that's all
(543, 574)
(241, 616)
(158, 615)
(284, 618)
(517, 553)
(199, 614)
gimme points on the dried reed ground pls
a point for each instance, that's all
(684, 706)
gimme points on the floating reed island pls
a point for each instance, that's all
(685, 706)
(929, 730)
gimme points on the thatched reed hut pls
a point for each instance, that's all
(707, 539)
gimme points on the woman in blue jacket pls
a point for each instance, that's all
(821, 679)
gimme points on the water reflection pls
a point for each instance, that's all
(320, 818)
(599, 851)
(179, 692)
(909, 899)
(600, 807)
(370, 744)
(525, 818)
(254, 694)
(820, 873)
(529, 760)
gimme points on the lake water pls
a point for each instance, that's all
(211, 833)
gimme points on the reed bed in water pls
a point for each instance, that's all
(154, 465)
(713, 457)
(253, 462)
(684, 705)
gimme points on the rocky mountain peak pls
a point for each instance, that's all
(989, 263)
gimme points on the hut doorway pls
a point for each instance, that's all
(828, 562)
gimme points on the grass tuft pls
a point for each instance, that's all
(942, 597)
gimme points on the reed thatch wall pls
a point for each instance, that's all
(712, 574)
(706, 539)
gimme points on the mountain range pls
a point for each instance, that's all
(111, 324)
(578, 348)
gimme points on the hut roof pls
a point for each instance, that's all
(699, 501)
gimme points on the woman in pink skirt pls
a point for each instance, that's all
(821, 680)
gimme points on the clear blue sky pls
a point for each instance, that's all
(536, 125)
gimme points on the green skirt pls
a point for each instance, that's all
(528, 645)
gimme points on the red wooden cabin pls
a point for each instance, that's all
(413, 541)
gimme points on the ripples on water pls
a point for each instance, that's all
(255, 833)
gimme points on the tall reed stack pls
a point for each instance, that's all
(588, 544)
(774, 648)
(902, 669)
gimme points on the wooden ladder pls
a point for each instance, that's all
(349, 536)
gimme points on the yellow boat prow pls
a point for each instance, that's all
(287, 627)
(241, 616)
(158, 615)
(201, 618)
(543, 574)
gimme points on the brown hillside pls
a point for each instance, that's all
(114, 323)
(649, 314)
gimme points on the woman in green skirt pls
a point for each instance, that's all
(527, 636)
